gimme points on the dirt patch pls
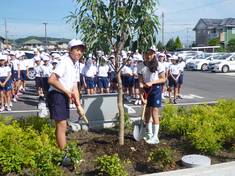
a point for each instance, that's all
(98, 143)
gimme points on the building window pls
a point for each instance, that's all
(233, 30)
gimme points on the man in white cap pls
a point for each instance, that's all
(64, 89)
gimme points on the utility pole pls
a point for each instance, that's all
(163, 28)
(6, 32)
(45, 25)
(187, 37)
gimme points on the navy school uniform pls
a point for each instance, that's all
(89, 73)
(153, 93)
(127, 78)
(175, 71)
(103, 81)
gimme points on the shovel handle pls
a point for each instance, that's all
(84, 116)
(143, 111)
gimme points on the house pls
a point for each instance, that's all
(207, 29)
(32, 43)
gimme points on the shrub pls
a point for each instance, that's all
(28, 147)
(110, 165)
(75, 154)
(163, 157)
(206, 127)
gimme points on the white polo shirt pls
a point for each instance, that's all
(103, 71)
(5, 71)
(174, 69)
(151, 76)
(89, 71)
(46, 70)
(15, 63)
(66, 71)
(23, 64)
(127, 70)
(181, 66)
(38, 70)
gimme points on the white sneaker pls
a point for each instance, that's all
(153, 140)
(10, 104)
(140, 102)
(2, 109)
(70, 106)
(8, 108)
(14, 99)
(136, 102)
(147, 136)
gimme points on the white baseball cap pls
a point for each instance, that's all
(55, 61)
(153, 48)
(13, 53)
(174, 57)
(75, 42)
(37, 58)
(161, 55)
(19, 54)
(3, 57)
(55, 55)
(45, 57)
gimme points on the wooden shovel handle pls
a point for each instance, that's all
(143, 111)
(76, 104)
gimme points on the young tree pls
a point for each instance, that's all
(231, 45)
(160, 46)
(214, 42)
(116, 23)
(170, 46)
(178, 43)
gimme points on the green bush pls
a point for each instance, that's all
(110, 165)
(75, 154)
(206, 127)
(28, 147)
(163, 157)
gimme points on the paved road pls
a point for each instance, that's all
(198, 87)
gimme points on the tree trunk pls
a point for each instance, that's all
(121, 109)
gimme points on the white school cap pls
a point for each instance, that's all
(153, 48)
(37, 58)
(161, 55)
(3, 57)
(44, 57)
(75, 42)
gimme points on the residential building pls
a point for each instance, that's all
(207, 29)
(32, 43)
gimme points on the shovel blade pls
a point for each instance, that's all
(139, 131)
(136, 132)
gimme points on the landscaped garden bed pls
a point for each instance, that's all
(27, 147)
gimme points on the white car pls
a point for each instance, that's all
(201, 62)
(224, 63)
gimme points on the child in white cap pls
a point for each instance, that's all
(64, 89)
(151, 78)
(5, 74)
(174, 74)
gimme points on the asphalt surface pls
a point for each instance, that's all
(198, 87)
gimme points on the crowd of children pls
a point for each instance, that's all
(95, 74)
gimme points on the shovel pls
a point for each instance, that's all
(83, 116)
(139, 130)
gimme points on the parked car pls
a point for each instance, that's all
(224, 63)
(201, 62)
(30, 62)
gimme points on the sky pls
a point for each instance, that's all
(26, 17)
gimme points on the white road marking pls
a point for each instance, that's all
(227, 74)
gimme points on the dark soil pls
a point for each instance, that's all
(98, 143)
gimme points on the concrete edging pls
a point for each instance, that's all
(223, 169)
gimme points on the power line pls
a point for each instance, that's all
(201, 6)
